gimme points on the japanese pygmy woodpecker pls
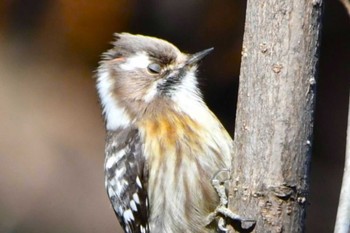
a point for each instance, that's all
(163, 144)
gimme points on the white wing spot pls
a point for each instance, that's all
(133, 205)
(120, 187)
(111, 192)
(128, 216)
(119, 173)
(138, 182)
(112, 182)
(111, 161)
(120, 154)
(136, 198)
(143, 230)
(120, 210)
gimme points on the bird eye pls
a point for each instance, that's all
(154, 68)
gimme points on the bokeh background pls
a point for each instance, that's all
(51, 130)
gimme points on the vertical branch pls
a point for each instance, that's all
(273, 134)
(342, 224)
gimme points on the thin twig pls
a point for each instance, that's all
(342, 224)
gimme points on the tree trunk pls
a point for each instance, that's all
(273, 134)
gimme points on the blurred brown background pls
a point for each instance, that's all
(51, 131)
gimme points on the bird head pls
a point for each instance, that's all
(141, 74)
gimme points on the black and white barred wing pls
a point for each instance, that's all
(126, 181)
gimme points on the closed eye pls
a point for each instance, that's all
(154, 68)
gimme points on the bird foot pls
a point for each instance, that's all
(220, 182)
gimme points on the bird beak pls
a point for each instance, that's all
(192, 60)
(195, 58)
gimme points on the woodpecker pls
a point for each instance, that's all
(163, 144)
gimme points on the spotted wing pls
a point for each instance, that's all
(126, 180)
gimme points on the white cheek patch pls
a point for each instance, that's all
(140, 60)
(115, 115)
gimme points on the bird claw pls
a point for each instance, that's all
(220, 182)
(222, 225)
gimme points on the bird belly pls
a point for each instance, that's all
(181, 167)
(181, 195)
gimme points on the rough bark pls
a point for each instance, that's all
(274, 120)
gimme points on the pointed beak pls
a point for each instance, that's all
(181, 72)
(195, 58)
